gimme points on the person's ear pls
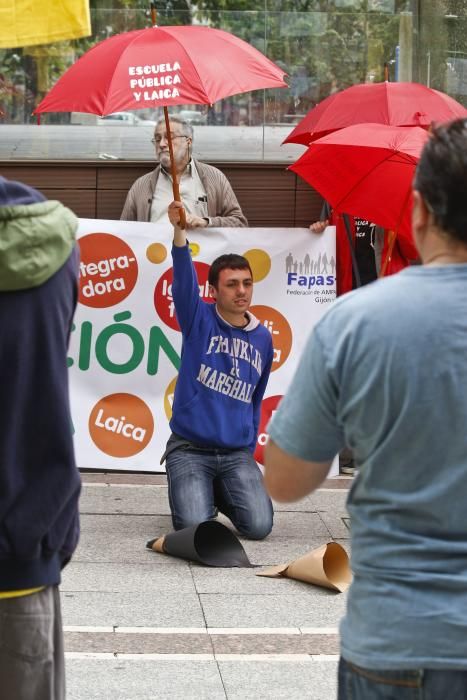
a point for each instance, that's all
(420, 218)
(212, 292)
(420, 211)
(190, 147)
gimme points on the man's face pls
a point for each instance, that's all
(181, 146)
(234, 291)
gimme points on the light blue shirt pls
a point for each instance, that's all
(385, 373)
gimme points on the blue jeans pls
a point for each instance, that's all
(356, 683)
(201, 481)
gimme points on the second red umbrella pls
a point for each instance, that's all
(392, 104)
(366, 170)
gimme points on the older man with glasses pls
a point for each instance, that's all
(206, 193)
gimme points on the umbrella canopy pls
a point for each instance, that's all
(394, 104)
(161, 66)
(366, 170)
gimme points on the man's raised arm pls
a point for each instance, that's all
(185, 289)
(174, 216)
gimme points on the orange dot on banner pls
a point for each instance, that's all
(169, 398)
(163, 300)
(156, 253)
(260, 263)
(280, 331)
(121, 425)
(108, 270)
(268, 406)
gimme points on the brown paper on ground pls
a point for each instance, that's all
(326, 566)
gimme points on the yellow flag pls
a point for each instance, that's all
(29, 22)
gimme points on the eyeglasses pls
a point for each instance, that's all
(157, 139)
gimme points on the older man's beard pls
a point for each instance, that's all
(180, 161)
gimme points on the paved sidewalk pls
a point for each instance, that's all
(140, 625)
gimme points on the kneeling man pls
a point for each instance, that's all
(226, 360)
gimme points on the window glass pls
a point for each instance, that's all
(323, 45)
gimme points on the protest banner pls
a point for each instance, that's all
(125, 346)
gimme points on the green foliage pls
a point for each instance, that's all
(12, 88)
(324, 45)
(124, 15)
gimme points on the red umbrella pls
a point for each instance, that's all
(366, 170)
(395, 104)
(159, 67)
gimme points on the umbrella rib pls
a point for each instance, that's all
(109, 91)
(197, 73)
(321, 116)
(224, 68)
(233, 76)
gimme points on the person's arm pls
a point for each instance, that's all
(224, 209)
(324, 219)
(304, 434)
(319, 226)
(138, 203)
(288, 478)
(195, 221)
(258, 396)
(185, 289)
(129, 208)
(180, 239)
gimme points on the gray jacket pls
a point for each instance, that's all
(223, 207)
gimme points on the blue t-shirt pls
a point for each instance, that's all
(385, 373)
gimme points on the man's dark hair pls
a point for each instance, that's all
(232, 261)
(441, 178)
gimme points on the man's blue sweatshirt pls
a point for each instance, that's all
(39, 481)
(224, 369)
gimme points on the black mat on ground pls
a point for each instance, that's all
(209, 543)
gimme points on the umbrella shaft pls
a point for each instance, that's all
(175, 187)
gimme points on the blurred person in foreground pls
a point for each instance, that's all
(39, 481)
(207, 195)
(385, 371)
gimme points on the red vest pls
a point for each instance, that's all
(403, 252)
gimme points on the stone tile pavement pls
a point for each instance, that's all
(140, 625)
